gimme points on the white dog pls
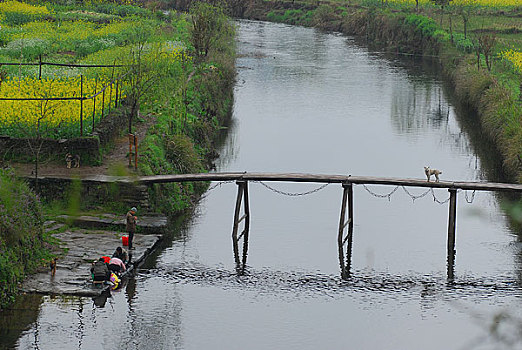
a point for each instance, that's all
(430, 172)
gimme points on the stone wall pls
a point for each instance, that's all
(25, 149)
(92, 194)
(89, 147)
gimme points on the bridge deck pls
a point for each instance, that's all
(308, 178)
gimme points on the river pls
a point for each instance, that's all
(311, 102)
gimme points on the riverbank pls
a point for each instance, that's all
(491, 90)
(81, 247)
(177, 96)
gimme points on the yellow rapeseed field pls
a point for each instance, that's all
(57, 119)
(20, 7)
(513, 57)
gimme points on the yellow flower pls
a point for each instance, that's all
(56, 119)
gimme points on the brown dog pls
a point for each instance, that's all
(72, 161)
(430, 172)
(52, 266)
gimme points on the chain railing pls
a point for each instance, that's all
(414, 197)
(292, 194)
(469, 199)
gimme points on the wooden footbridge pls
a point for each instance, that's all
(346, 219)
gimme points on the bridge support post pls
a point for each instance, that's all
(452, 225)
(242, 194)
(347, 196)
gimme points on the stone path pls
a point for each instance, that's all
(83, 247)
(146, 224)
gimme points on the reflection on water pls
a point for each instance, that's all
(301, 285)
(313, 102)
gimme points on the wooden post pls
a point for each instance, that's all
(131, 140)
(81, 104)
(347, 196)
(116, 95)
(240, 189)
(40, 67)
(340, 232)
(110, 96)
(451, 231)
(94, 104)
(247, 225)
(135, 152)
(110, 91)
(103, 104)
(350, 230)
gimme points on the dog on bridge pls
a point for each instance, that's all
(428, 171)
(72, 161)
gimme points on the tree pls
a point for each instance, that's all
(145, 68)
(484, 44)
(209, 26)
(442, 4)
(35, 129)
(464, 10)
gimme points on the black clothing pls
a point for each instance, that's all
(100, 271)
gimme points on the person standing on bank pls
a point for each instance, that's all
(131, 222)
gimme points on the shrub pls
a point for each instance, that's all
(422, 24)
(181, 153)
(463, 43)
(21, 234)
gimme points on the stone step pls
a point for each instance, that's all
(146, 224)
(55, 227)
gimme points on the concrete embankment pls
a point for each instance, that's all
(82, 246)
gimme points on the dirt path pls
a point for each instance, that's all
(113, 161)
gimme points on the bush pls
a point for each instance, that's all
(462, 43)
(181, 153)
(121, 10)
(323, 14)
(424, 25)
(31, 49)
(21, 235)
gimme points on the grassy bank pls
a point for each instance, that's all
(175, 71)
(176, 76)
(478, 44)
(23, 247)
(188, 120)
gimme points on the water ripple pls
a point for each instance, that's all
(306, 284)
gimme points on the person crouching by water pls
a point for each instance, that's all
(100, 272)
(131, 221)
(116, 265)
(121, 254)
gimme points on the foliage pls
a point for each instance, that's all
(21, 234)
(323, 14)
(16, 13)
(78, 37)
(209, 27)
(485, 3)
(514, 58)
(462, 43)
(292, 16)
(422, 24)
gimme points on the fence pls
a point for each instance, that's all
(115, 81)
